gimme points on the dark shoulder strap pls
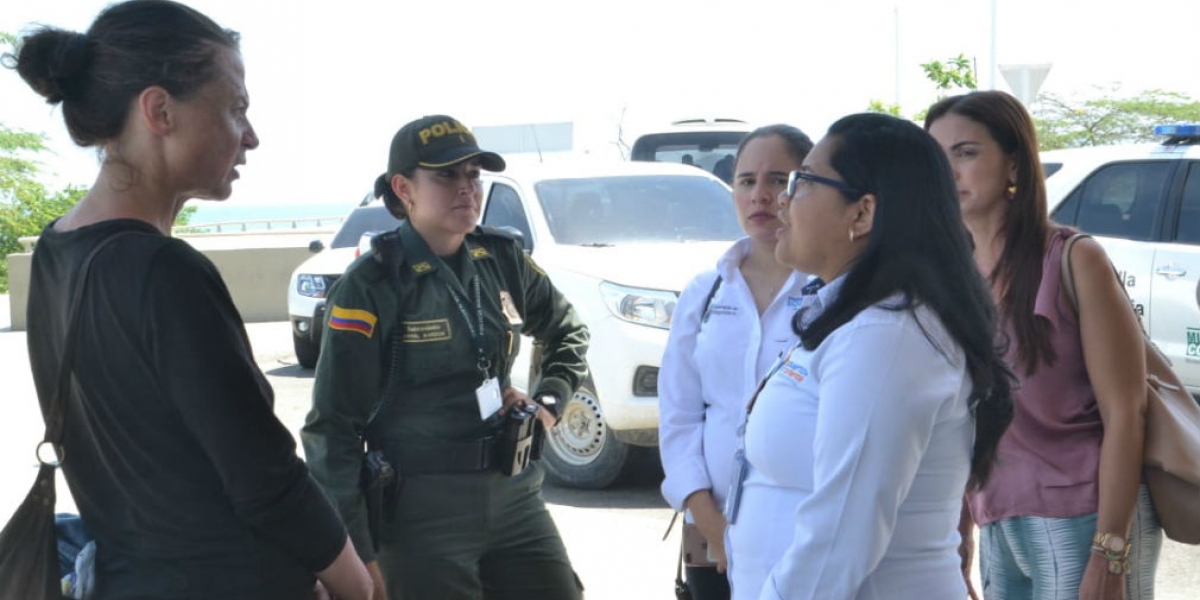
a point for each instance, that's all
(66, 364)
(709, 298)
(1068, 277)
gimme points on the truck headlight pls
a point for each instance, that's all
(312, 286)
(636, 305)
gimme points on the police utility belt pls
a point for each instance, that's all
(382, 471)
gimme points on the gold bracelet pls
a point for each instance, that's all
(1118, 562)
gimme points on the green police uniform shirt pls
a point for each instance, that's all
(396, 340)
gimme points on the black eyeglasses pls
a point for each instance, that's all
(795, 177)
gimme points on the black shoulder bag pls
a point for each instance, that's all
(29, 544)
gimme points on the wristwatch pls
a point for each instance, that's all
(1114, 548)
(550, 401)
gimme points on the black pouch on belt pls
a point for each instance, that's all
(516, 444)
(380, 483)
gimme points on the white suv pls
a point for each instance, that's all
(311, 280)
(620, 240)
(1142, 203)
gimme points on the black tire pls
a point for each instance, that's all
(307, 351)
(581, 451)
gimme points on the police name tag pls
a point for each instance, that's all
(489, 397)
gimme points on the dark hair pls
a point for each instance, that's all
(393, 203)
(797, 143)
(131, 46)
(1026, 223)
(919, 248)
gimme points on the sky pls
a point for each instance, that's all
(330, 82)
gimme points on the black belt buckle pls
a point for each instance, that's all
(515, 445)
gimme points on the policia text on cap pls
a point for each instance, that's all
(421, 336)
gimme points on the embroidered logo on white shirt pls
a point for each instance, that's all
(795, 371)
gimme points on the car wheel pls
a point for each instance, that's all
(306, 350)
(581, 451)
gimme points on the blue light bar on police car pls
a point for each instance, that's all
(1177, 130)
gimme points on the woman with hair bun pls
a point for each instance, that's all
(173, 454)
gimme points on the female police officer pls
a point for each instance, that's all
(420, 337)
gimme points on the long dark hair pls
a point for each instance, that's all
(131, 46)
(1026, 223)
(920, 249)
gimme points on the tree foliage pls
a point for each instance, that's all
(956, 73)
(879, 106)
(26, 206)
(1110, 117)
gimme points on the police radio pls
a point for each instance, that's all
(516, 446)
(389, 251)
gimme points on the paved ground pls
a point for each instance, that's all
(613, 536)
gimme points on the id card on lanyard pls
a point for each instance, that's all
(487, 395)
(741, 466)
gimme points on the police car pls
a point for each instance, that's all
(1142, 203)
(620, 240)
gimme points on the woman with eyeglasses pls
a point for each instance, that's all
(1066, 512)
(728, 327)
(857, 448)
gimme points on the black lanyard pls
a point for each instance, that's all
(476, 330)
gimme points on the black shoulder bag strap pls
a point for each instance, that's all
(56, 417)
(708, 299)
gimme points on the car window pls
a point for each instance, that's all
(363, 219)
(713, 151)
(504, 209)
(1120, 200)
(1187, 228)
(649, 208)
(1050, 168)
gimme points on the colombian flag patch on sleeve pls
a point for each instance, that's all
(350, 319)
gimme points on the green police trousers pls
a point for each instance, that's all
(476, 536)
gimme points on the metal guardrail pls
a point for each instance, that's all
(251, 226)
(257, 225)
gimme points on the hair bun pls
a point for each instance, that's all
(54, 62)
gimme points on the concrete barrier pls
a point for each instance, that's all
(256, 267)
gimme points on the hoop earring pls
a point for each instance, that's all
(851, 236)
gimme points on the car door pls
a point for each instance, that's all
(1176, 324)
(1123, 204)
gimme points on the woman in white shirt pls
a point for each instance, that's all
(859, 446)
(729, 326)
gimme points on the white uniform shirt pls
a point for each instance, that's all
(709, 371)
(859, 453)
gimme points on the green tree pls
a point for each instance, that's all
(956, 73)
(879, 106)
(1109, 118)
(26, 206)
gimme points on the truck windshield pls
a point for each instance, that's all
(603, 211)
